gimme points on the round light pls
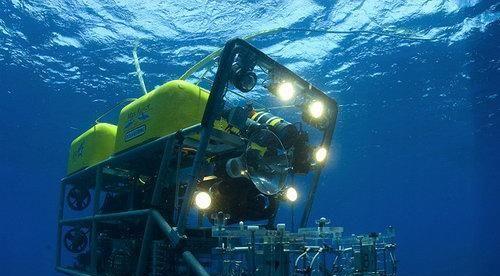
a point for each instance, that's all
(291, 194)
(320, 154)
(202, 200)
(285, 91)
(316, 109)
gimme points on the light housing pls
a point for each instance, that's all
(317, 113)
(202, 200)
(291, 194)
(320, 154)
(316, 109)
(285, 91)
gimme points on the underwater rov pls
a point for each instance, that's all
(189, 181)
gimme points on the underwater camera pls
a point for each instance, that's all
(246, 184)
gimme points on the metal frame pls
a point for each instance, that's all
(215, 106)
(165, 146)
(153, 217)
(305, 252)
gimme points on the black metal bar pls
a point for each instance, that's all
(145, 247)
(60, 215)
(71, 271)
(213, 108)
(105, 217)
(175, 240)
(327, 141)
(76, 221)
(195, 266)
(122, 215)
(93, 240)
(310, 199)
(162, 171)
(253, 252)
(190, 189)
(155, 201)
(171, 234)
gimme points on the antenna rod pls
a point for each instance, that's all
(139, 72)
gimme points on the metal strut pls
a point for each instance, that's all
(155, 201)
(215, 104)
(154, 217)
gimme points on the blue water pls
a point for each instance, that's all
(417, 142)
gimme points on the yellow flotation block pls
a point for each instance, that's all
(173, 106)
(92, 147)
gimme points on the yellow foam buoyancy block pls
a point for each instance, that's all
(92, 147)
(173, 106)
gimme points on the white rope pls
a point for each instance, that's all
(138, 71)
